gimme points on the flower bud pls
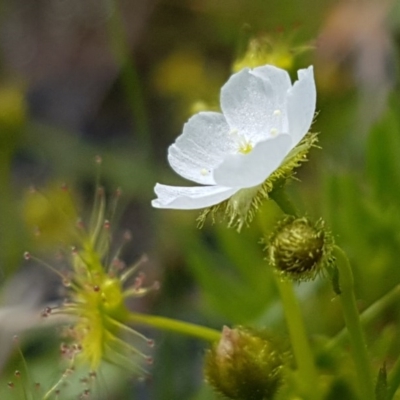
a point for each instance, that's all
(244, 365)
(300, 249)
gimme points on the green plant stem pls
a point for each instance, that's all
(308, 375)
(301, 347)
(168, 324)
(368, 315)
(129, 74)
(279, 195)
(352, 319)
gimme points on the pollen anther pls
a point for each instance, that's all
(274, 131)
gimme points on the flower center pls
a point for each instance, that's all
(244, 145)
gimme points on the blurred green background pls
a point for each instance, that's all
(80, 78)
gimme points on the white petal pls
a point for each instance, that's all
(248, 102)
(301, 104)
(190, 198)
(248, 170)
(280, 82)
(204, 143)
(277, 77)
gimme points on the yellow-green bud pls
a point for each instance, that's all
(244, 365)
(300, 249)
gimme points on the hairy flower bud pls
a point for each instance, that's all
(244, 365)
(300, 249)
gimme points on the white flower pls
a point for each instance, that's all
(263, 118)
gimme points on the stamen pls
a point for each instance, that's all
(274, 132)
(233, 132)
(204, 171)
(277, 112)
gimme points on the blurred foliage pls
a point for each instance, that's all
(75, 102)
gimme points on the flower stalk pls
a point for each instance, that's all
(353, 323)
(308, 376)
(279, 195)
(368, 315)
(172, 325)
(301, 347)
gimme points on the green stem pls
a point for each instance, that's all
(368, 315)
(184, 328)
(308, 375)
(301, 347)
(352, 319)
(129, 74)
(279, 195)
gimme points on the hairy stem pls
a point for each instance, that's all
(168, 324)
